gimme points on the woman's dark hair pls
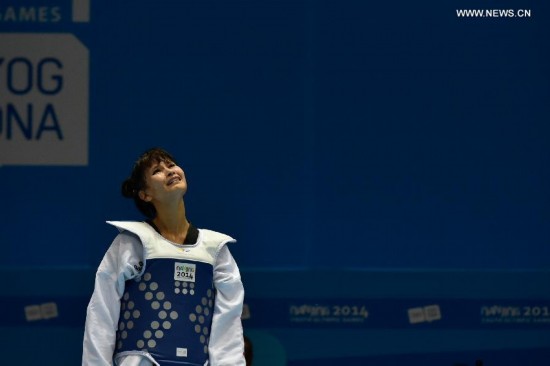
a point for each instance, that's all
(136, 182)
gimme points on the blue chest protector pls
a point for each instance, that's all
(166, 311)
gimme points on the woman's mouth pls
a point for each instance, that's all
(173, 180)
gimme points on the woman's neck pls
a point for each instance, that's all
(172, 222)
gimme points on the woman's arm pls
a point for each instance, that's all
(226, 345)
(122, 261)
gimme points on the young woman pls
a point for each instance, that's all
(166, 293)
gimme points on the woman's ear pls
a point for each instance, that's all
(144, 196)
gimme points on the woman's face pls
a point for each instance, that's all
(164, 181)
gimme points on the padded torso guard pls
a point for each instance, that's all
(166, 310)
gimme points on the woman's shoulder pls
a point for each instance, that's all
(211, 236)
(139, 229)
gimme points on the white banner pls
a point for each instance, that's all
(43, 99)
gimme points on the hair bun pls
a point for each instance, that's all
(128, 188)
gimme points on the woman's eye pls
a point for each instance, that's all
(156, 171)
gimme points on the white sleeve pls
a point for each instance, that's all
(226, 344)
(123, 261)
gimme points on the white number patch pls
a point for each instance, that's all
(184, 272)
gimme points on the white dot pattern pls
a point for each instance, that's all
(198, 317)
(128, 316)
(165, 314)
(188, 288)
